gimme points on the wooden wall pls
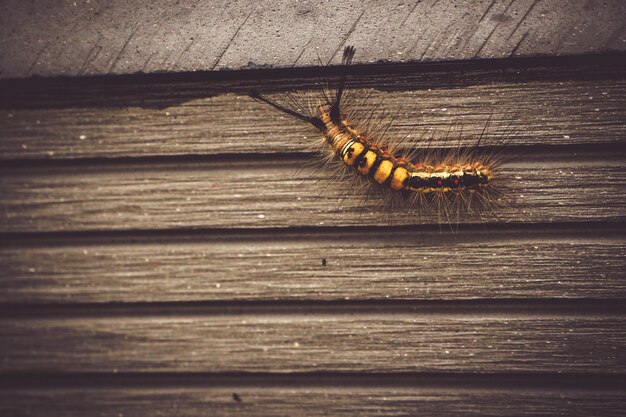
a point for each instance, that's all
(163, 250)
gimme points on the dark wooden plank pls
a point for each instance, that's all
(51, 38)
(535, 262)
(565, 186)
(311, 401)
(534, 106)
(386, 340)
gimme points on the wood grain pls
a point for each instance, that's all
(388, 340)
(311, 401)
(266, 192)
(52, 39)
(530, 106)
(534, 262)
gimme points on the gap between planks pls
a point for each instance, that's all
(311, 401)
(314, 400)
(588, 232)
(470, 382)
(489, 309)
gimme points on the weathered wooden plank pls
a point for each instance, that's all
(318, 340)
(51, 38)
(310, 401)
(536, 106)
(236, 193)
(537, 262)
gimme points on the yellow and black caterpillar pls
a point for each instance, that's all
(466, 178)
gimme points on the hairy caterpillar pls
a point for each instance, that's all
(455, 182)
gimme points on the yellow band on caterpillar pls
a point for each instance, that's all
(351, 151)
(399, 176)
(366, 162)
(383, 171)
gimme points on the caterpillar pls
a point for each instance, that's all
(465, 179)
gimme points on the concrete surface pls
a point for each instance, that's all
(52, 38)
